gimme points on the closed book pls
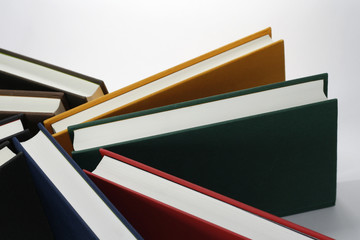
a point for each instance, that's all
(74, 206)
(252, 61)
(162, 206)
(22, 215)
(36, 106)
(19, 72)
(272, 147)
(14, 126)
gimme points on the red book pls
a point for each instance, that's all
(154, 219)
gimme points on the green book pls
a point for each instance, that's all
(272, 147)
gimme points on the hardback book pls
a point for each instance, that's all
(19, 72)
(74, 206)
(272, 147)
(252, 61)
(35, 105)
(162, 206)
(22, 215)
(14, 126)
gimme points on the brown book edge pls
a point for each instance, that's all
(38, 94)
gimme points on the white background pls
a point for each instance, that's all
(121, 42)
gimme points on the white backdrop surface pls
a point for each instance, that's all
(121, 42)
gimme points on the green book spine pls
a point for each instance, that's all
(283, 162)
(323, 76)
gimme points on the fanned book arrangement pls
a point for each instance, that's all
(219, 147)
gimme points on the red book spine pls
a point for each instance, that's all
(218, 196)
(156, 220)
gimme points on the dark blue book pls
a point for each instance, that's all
(75, 207)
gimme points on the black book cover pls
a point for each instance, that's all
(22, 216)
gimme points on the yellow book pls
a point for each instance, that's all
(249, 62)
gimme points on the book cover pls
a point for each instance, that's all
(34, 105)
(21, 132)
(158, 220)
(260, 67)
(282, 162)
(65, 217)
(22, 215)
(14, 82)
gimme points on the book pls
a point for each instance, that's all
(252, 61)
(272, 147)
(162, 206)
(74, 206)
(14, 126)
(22, 215)
(35, 105)
(19, 72)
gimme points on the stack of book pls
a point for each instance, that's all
(219, 147)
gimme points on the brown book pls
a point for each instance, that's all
(36, 106)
